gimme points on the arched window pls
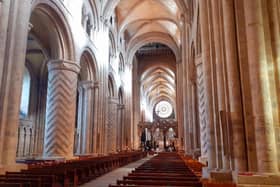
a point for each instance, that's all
(110, 87)
(121, 64)
(25, 94)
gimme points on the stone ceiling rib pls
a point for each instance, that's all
(154, 14)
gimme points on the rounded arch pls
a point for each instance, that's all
(112, 44)
(90, 16)
(121, 63)
(52, 28)
(155, 37)
(88, 59)
(121, 95)
(95, 13)
(192, 72)
(112, 86)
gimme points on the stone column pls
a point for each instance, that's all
(112, 124)
(85, 116)
(206, 58)
(234, 88)
(14, 19)
(119, 126)
(219, 83)
(179, 98)
(273, 8)
(95, 123)
(61, 109)
(261, 101)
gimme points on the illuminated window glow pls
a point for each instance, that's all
(163, 109)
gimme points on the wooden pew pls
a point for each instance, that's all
(67, 173)
(166, 169)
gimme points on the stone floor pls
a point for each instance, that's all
(113, 176)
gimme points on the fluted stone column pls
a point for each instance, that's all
(273, 8)
(120, 134)
(261, 101)
(206, 58)
(96, 113)
(234, 87)
(179, 98)
(222, 159)
(61, 109)
(85, 116)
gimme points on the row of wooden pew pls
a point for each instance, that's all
(194, 165)
(196, 168)
(163, 170)
(70, 173)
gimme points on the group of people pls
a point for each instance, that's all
(154, 146)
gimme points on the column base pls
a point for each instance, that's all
(217, 175)
(12, 168)
(203, 160)
(57, 158)
(250, 179)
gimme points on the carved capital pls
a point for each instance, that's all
(63, 65)
(96, 84)
(87, 85)
(120, 106)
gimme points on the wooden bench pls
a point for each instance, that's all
(67, 173)
(166, 169)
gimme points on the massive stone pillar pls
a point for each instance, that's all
(234, 88)
(14, 19)
(179, 98)
(61, 109)
(259, 83)
(273, 8)
(207, 69)
(85, 116)
(219, 87)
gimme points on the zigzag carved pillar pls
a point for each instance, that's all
(61, 109)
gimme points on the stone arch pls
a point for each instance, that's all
(112, 44)
(36, 62)
(121, 95)
(86, 104)
(89, 16)
(88, 57)
(121, 63)
(50, 25)
(112, 91)
(49, 37)
(157, 37)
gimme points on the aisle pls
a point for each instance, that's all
(112, 177)
(163, 170)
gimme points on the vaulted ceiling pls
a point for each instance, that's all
(157, 75)
(158, 83)
(146, 24)
(139, 17)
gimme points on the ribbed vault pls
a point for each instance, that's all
(148, 21)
